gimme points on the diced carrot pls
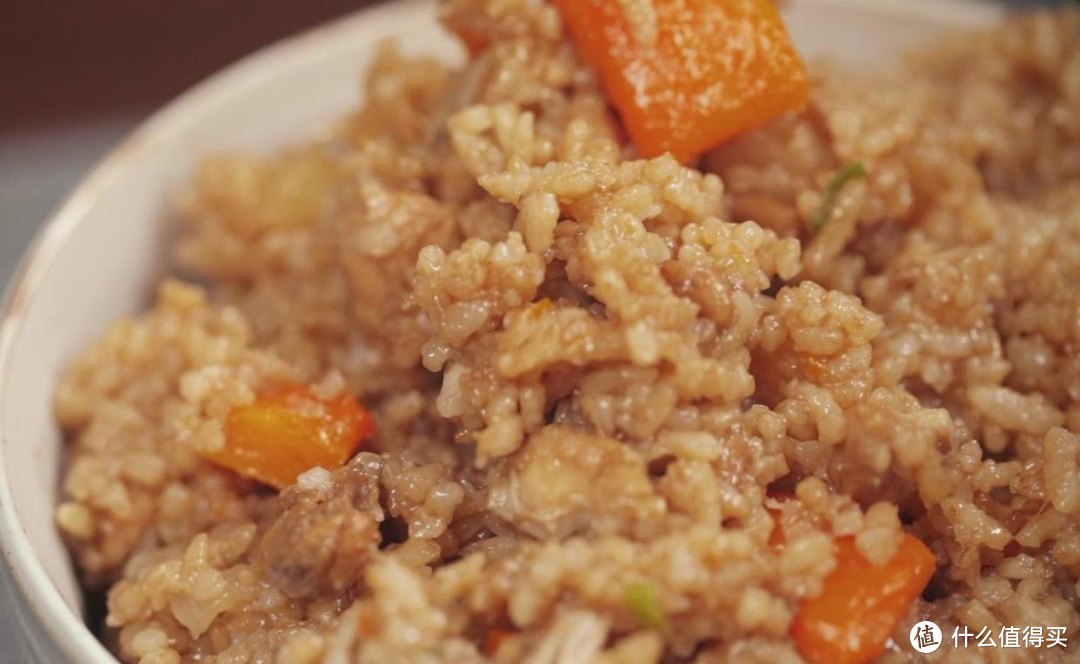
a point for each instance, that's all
(862, 604)
(289, 431)
(475, 41)
(493, 639)
(777, 539)
(365, 622)
(474, 30)
(686, 75)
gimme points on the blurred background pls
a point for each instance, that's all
(76, 76)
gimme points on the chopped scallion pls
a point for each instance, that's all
(642, 600)
(851, 171)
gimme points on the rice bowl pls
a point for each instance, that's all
(624, 408)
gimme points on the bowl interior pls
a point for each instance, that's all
(102, 253)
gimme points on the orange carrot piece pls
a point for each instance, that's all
(475, 42)
(289, 431)
(472, 29)
(862, 604)
(777, 539)
(686, 75)
(494, 639)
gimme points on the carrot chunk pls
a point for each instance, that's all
(475, 41)
(862, 604)
(289, 431)
(494, 639)
(686, 75)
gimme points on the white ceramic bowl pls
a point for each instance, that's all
(99, 256)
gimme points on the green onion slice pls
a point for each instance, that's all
(851, 171)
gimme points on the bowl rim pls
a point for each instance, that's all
(30, 582)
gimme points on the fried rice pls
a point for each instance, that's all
(592, 371)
